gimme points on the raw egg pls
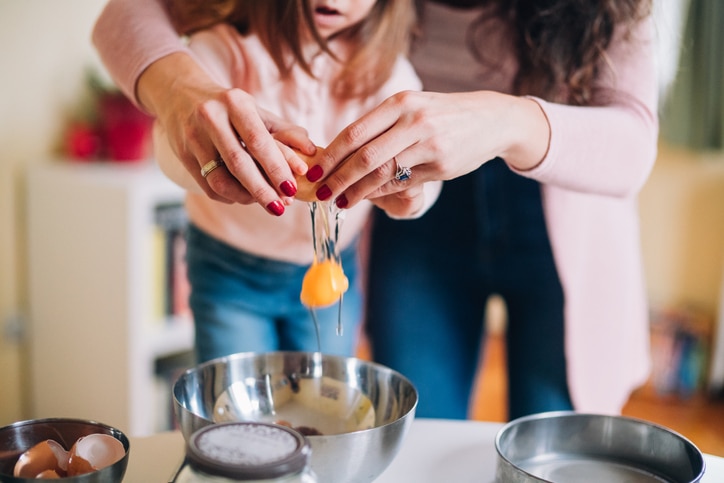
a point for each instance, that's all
(323, 284)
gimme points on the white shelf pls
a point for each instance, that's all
(93, 334)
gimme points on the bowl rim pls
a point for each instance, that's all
(314, 354)
(549, 415)
(90, 422)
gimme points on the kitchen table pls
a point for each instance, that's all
(434, 451)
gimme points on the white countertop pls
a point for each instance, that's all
(434, 451)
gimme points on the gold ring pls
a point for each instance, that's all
(210, 166)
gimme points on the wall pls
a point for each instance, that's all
(682, 223)
(45, 49)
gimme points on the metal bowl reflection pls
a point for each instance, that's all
(362, 410)
(567, 446)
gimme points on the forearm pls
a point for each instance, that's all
(610, 147)
(130, 35)
(169, 75)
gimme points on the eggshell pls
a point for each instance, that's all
(306, 190)
(46, 455)
(94, 452)
(48, 475)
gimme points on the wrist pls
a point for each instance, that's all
(157, 83)
(531, 137)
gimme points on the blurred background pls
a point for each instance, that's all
(52, 89)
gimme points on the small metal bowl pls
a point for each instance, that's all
(564, 447)
(362, 409)
(18, 437)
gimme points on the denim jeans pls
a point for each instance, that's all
(429, 282)
(241, 302)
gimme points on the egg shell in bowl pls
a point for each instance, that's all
(18, 437)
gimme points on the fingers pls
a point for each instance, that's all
(200, 149)
(394, 176)
(241, 140)
(402, 204)
(368, 143)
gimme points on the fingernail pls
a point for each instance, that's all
(341, 201)
(275, 208)
(314, 173)
(323, 193)
(288, 188)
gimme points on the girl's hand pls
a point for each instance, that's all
(438, 136)
(205, 121)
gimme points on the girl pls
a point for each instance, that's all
(319, 65)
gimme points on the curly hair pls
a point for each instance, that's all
(560, 44)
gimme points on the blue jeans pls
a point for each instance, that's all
(241, 302)
(429, 282)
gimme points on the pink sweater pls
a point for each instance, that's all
(599, 158)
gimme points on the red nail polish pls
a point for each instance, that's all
(341, 202)
(275, 208)
(314, 173)
(288, 188)
(323, 193)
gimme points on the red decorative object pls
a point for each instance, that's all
(126, 130)
(82, 142)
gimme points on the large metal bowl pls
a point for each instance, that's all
(564, 447)
(362, 409)
(18, 437)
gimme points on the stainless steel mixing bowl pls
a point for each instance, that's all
(18, 437)
(362, 409)
(564, 447)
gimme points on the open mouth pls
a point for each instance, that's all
(323, 10)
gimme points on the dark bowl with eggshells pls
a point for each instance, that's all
(92, 450)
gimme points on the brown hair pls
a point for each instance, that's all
(560, 44)
(375, 42)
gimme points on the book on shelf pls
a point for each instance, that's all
(680, 349)
(169, 258)
(167, 370)
(716, 368)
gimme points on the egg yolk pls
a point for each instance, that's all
(323, 284)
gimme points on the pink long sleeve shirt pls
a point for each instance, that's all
(598, 160)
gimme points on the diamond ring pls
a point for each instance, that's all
(403, 173)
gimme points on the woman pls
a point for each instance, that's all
(585, 141)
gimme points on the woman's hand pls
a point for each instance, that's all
(438, 136)
(204, 121)
(405, 203)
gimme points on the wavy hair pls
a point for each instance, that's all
(560, 45)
